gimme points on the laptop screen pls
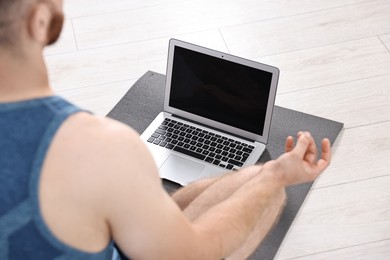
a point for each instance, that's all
(220, 90)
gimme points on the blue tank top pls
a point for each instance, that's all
(26, 131)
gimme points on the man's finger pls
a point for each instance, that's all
(326, 151)
(312, 152)
(289, 144)
(302, 145)
(325, 155)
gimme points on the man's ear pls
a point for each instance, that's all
(39, 22)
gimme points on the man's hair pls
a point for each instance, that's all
(12, 14)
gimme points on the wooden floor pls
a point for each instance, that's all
(334, 57)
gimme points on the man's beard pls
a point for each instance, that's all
(55, 27)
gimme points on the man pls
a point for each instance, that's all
(72, 182)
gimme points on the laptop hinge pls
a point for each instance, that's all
(214, 128)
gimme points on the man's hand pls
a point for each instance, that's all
(300, 164)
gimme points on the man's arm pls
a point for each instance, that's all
(146, 223)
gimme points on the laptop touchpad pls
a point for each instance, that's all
(181, 170)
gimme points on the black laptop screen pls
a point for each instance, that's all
(221, 90)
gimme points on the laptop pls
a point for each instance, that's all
(217, 113)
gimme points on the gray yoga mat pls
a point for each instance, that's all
(144, 101)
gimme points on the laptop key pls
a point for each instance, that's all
(156, 142)
(169, 146)
(162, 144)
(234, 162)
(216, 162)
(159, 131)
(232, 150)
(209, 159)
(247, 150)
(189, 153)
(229, 166)
(151, 140)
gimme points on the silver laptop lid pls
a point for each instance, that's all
(220, 90)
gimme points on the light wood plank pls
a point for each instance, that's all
(375, 250)
(119, 63)
(185, 17)
(309, 30)
(341, 216)
(354, 103)
(66, 42)
(386, 41)
(330, 64)
(77, 8)
(359, 153)
(99, 99)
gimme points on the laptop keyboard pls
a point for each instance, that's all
(201, 144)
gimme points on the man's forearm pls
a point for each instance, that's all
(226, 225)
(219, 190)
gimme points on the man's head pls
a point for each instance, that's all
(32, 20)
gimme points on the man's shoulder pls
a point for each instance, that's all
(91, 127)
(86, 138)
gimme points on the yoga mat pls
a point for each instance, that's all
(144, 101)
